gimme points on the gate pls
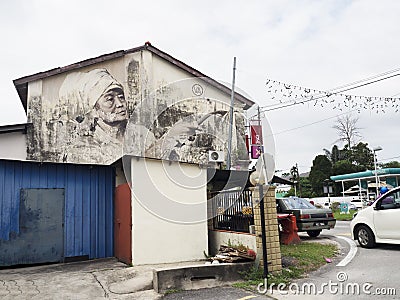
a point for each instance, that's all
(40, 238)
(123, 224)
(233, 210)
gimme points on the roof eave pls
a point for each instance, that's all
(14, 128)
(21, 84)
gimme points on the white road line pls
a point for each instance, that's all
(351, 254)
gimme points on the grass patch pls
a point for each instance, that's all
(343, 217)
(297, 261)
(172, 291)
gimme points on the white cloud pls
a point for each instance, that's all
(317, 44)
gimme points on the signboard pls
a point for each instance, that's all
(256, 141)
(344, 208)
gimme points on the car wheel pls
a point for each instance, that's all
(313, 233)
(365, 237)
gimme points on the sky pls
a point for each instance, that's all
(312, 44)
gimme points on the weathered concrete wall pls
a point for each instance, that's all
(138, 104)
(218, 238)
(160, 204)
(197, 277)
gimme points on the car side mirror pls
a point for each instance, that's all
(378, 206)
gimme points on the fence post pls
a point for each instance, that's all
(271, 228)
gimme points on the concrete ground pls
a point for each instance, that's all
(108, 278)
(96, 279)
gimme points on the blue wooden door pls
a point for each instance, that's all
(41, 236)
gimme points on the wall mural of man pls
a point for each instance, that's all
(97, 110)
(89, 120)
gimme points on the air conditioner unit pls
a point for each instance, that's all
(216, 156)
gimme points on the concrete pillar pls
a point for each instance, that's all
(271, 229)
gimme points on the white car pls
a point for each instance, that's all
(378, 223)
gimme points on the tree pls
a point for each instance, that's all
(320, 170)
(362, 156)
(347, 129)
(391, 164)
(306, 191)
(344, 167)
(333, 155)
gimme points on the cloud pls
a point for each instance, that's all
(317, 44)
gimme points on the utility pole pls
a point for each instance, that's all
(262, 210)
(228, 162)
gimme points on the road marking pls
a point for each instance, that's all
(247, 297)
(345, 234)
(351, 254)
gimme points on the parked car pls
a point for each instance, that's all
(308, 217)
(352, 206)
(380, 222)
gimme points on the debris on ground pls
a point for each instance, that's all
(232, 254)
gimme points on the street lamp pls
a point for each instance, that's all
(378, 148)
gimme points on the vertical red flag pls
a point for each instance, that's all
(256, 141)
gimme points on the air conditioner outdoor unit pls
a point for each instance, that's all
(216, 156)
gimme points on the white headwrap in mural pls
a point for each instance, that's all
(80, 91)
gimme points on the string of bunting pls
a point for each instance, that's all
(293, 94)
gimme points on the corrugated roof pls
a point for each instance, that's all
(21, 84)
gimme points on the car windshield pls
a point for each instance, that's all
(298, 203)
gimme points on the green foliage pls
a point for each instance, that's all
(320, 170)
(335, 205)
(239, 247)
(344, 167)
(343, 217)
(172, 291)
(391, 164)
(303, 189)
(335, 154)
(362, 156)
(304, 257)
(340, 161)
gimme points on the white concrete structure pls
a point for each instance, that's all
(13, 142)
(162, 206)
(218, 238)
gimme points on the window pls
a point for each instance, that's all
(390, 201)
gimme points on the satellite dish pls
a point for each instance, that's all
(265, 169)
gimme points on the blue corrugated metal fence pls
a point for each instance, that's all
(89, 190)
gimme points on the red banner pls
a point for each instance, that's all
(256, 134)
(256, 141)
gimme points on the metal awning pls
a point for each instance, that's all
(359, 176)
(227, 179)
(389, 172)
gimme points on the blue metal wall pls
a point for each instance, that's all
(89, 190)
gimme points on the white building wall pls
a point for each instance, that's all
(155, 185)
(13, 146)
(218, 238)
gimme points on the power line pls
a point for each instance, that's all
(322, 120)
(384, 159)
(323, 96)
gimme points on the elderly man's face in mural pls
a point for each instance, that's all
(111, 106)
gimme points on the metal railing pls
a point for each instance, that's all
(233, 210)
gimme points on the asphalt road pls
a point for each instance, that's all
(371, 274)
(220, 293)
